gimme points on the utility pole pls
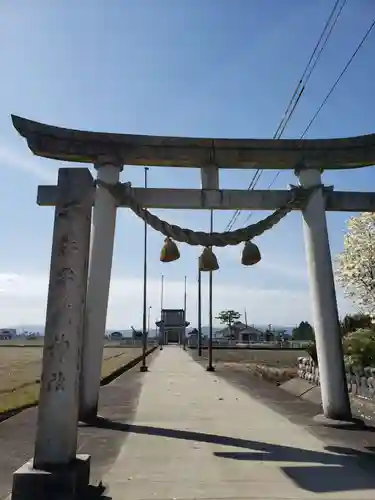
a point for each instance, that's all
(149, 318)
(161, 328)
(210, 367)
(162, 294)
(184, 329)
(199, 339)
(143, 367)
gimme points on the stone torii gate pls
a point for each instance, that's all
(82, 258)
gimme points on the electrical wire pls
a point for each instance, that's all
(324, 102)
(309, 73)
(297, 94)
(331, 90)
(338, 78)
(306, 72)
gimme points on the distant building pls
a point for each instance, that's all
(239, 332)
(7, 333)
(172, 326)
(116, 336)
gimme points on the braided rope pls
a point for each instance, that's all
(201, 238)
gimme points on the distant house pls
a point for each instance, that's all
(250, 334)
(239, 332)
(116, 336)
(7, 333)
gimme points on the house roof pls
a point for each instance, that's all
(241, 327)
(251, 329)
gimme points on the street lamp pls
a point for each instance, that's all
(210, 367)
(199, 339)
(184, 331)
(149, 317)
(143, 367)
(161, 327)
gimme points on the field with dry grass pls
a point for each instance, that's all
(20, 370)
(275, 365)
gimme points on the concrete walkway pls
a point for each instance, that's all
(195, 436)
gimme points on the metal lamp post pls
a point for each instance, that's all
(144, 367)
(149, 320)
(184, 330)
(161, 327)
(210, 367)
(199, 340)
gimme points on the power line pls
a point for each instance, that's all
(308, 74)
(297, 94)
(338, 79)
(331, 90)
(306, 71)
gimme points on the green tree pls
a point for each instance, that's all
(269, 334)
(228, 317)
(304, 331)
(350, 323)
(359, 348)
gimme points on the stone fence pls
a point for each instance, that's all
(361, 381)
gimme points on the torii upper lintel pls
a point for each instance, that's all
(147, 150)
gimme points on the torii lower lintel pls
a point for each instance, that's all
(226, 199)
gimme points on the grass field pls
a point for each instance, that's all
(272, 364)
(271, 357)
(20, 370)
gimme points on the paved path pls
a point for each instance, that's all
(195, 436)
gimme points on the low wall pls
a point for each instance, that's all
(361, 381)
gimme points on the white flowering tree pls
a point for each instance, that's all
(355, 266)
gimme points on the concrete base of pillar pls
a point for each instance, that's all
(210, 369)
(350, 423)
(143, 368)
(65, 482)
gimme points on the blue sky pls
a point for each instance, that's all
(216, 68)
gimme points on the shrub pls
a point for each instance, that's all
(359, 348)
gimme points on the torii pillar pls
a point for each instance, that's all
(100, 265)
(334, 390)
